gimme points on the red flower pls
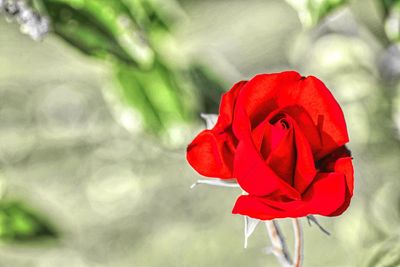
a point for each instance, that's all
(282, 137)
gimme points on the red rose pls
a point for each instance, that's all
(282, 137)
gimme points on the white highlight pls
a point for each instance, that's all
(216, 182)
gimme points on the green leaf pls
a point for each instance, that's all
(138, 11)
(100, 27)
(161, 99)
(18, 223)
(311, 12)
(135, 35)
(91, 40)
(121, 31)
(147, 14)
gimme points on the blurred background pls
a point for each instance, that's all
(98, 100)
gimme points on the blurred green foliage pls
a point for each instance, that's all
(155, 93)
(101, 28)
(130, 34)
(91, 38)
(20, 223)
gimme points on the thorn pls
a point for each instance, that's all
(311, 218)
(309, 221)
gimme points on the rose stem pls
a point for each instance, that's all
(279, 248)
(298, 243)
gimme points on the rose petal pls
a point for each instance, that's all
(211, 152)
(305, 171)
(327, 164)
(282, 158)
(345, 166)
(258, 136)
(323, 197)
(286, 150)
(307, 126)
(257, 100)
(318, 114)
(318, 101)
(255, 177)
(227, 107)
(210, 155)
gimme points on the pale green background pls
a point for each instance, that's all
(122, 198)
